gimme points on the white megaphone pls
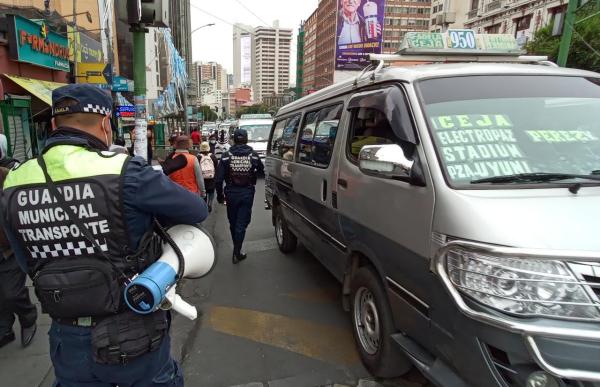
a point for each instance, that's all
(155, 287)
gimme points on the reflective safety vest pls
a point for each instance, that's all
(186, 176)
(91, 183)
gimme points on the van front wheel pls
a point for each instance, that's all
(373, 327)
(286, 240)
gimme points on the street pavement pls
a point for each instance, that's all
(273, 320)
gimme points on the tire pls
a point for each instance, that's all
(286, 240)
(373, 326)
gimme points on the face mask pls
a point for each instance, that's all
(213, 142)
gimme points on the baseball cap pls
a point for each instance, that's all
(89, 99)
(240, 136)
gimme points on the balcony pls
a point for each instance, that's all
(472, 14)
(493, 6)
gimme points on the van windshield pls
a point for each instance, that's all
(257, 133)
(485, 127)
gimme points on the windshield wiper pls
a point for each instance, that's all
(536, 177)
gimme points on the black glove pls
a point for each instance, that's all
(221, 199)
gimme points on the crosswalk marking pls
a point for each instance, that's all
(318, 341)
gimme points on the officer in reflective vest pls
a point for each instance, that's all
(80, 220)
(238, 168)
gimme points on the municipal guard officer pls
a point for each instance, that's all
(80, 220)
(238, 168)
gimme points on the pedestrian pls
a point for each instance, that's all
(212, 142)
(190, 176)
(14, 296)
(119, 146)
(222, 144)
(196, 138)
(92, 233)
(208, 164)
(238, 168)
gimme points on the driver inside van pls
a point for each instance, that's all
(371, 128)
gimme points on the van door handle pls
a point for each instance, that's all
(343, 183)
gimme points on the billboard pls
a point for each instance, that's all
(88, 49)
(246, 62)
(359, 32)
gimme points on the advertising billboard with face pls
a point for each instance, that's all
(359, 32)
(246, 63)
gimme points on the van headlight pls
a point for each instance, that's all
(520, 286)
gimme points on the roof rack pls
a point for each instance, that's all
(453, 57)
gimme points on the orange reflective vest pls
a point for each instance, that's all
(186, 176)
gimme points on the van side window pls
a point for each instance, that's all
(276, 137)
(370, 127)
(288, 144)
(283, 139)
(318, 136)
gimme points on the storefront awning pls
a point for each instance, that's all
(41, 89)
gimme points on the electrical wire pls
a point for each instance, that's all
(221, 19)
(255, 15)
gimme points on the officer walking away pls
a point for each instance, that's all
(190, 176)
(238, 168)
(222, 145)
(80, 221)
(14, 296)
(208, 164)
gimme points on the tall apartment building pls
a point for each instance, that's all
(402, 16)
(325, 48)
(180, 23)
(520, 18)
(271, 47)
(447, 14)
(300, 60)
(310, 57)
(212, 71)
(242, 54)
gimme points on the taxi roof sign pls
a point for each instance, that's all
(459, 42)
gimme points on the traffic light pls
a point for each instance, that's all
(151, 13)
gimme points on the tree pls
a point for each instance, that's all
(580, 54)
(253, 109)
(208, 113)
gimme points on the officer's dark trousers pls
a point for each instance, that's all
(14, 297)
(239, 213)
(71, 354)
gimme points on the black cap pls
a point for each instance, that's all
(240, 136)
(90, 99)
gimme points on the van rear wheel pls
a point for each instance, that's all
(286, 240)
(373, 326)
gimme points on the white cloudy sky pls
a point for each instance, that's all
(215, 43)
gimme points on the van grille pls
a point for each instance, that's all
(588, 274)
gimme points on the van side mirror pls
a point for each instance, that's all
(386, 161)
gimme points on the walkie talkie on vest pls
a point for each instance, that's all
(188, 253)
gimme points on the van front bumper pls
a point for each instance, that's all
(567, 349)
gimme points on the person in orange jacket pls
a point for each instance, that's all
(190, 176)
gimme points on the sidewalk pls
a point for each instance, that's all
(28, 367)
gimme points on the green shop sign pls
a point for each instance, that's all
(33, 42)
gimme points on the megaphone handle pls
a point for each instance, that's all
(180, 306)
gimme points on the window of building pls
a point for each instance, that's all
(318, 136)
(495, 29)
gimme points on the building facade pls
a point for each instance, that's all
(271, 47)
(310, 58)
(242, 55)
(448, 14)
(401, 16)
(300, 60)
(520, 18)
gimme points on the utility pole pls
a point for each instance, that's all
(565, 40)
(139, 90)
(74, 40)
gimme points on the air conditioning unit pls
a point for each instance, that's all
(439, 20)
(450, 17)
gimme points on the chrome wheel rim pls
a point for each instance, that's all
(279, 229)
(366, 320)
